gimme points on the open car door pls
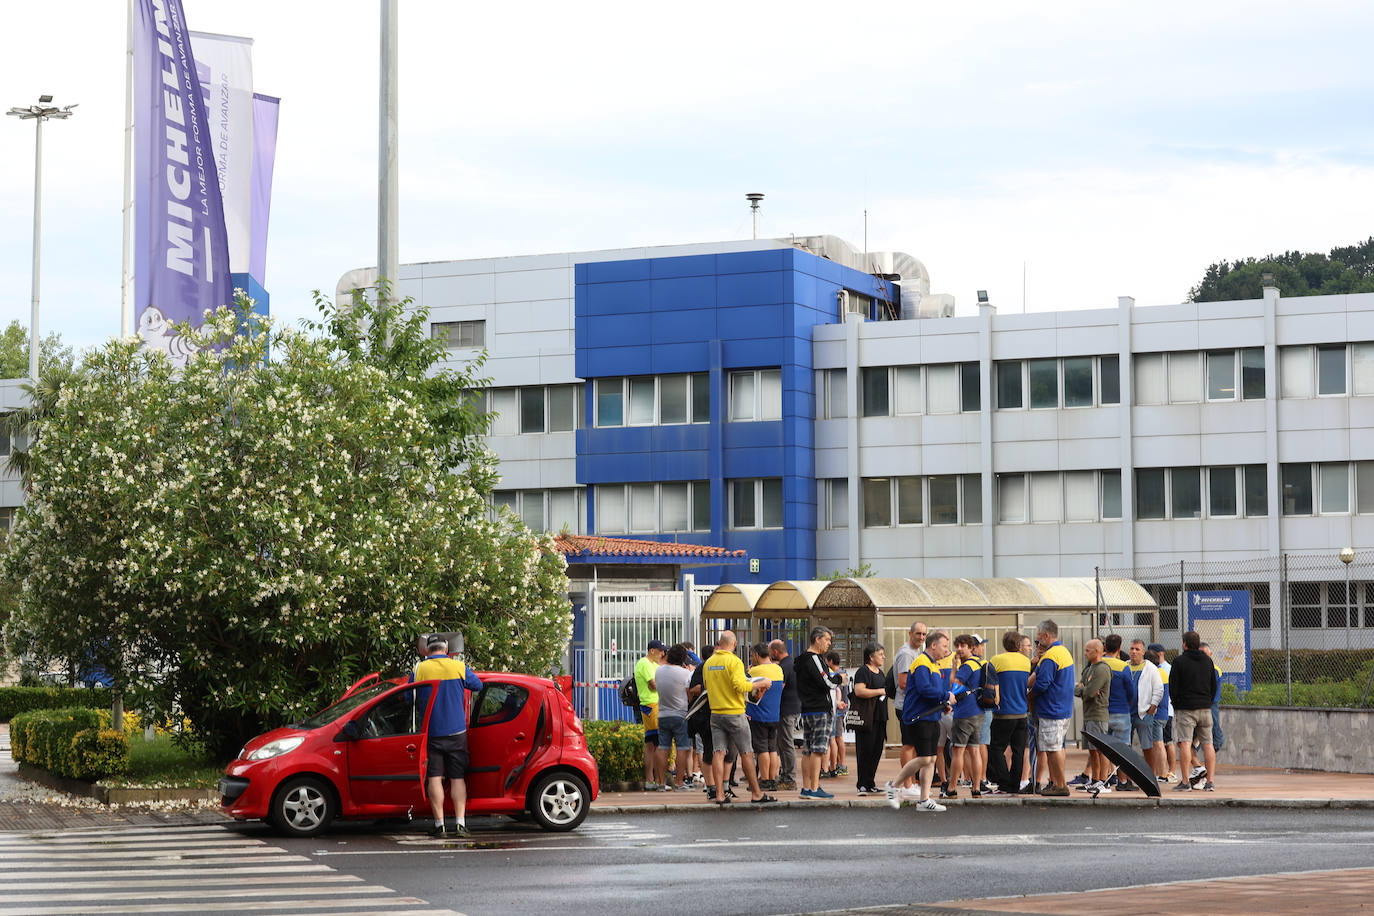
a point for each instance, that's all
(386, 754)
(507, 725)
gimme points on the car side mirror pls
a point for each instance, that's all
(350, 731)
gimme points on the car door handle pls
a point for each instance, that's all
(410, 748)
(519, 736)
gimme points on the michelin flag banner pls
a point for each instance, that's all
(181, 254)
(1222, 619)
(224, 65)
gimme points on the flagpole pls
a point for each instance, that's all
(126, 312)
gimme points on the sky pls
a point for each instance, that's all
(1057, 154)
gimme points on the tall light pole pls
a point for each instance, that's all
(388, 184)
(1347, 556)
(38, 114)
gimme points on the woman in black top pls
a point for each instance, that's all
(869, 681)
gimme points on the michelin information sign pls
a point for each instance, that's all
(1222, 619)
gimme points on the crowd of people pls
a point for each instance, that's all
(994, 725)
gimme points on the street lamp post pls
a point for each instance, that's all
(38, 114)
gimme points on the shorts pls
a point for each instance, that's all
(650, 716)
(1119, 727)
(447, 756)
(985, 737)
(839, 723)
(673, 730)
(730, 734)
(908, 734)
(1194, 724)
(1049, 734)
(966, 731)
(1157, 729)
(1144, 729)
(1096, 727)
(817, 728)
(927, 738)
(764, 736)
(1169, 730)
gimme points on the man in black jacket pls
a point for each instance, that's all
(1192, 685)
(814, 683)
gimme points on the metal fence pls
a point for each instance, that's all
(1311, 626)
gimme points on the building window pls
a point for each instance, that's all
(532, 410)
(1149, 493)
(543, 510)
(648, 508)
(1221, 375)
(1185, 378)
(972, 488)
(837, 502)
(874, 392)
(1042, 378)
(970, 388)
(756, 394)
(1009, 385)
(1297, 488)
(756, 503)
(1011, 497)
(565, 404)
(907, 384)
(1221, 492)
(5, 442)
(944, 500)
(877, 502)
(832, 388)
(505, 407)
(1252, 373)
(1331, 370)
(1362, 368)
(1080, 496)
(458, 335)
(942, 389)
(910, 501)
(1186, 492)
(610, 402)
(1109, 375)
(1078, 381)
(1149, 379)
(673, 399)
(1111, 494)
(1256, 491)
(1335, 487)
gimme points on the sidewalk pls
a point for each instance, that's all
(1236, 786)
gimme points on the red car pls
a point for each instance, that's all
(363, 758)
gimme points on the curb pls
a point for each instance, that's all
(1308, 804)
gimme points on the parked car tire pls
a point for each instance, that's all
(302, 806)
(560, 800)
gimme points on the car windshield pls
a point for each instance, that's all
(346, 705)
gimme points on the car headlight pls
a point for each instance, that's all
(275, 748)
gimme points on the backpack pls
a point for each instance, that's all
(629, 692)
(987, 687)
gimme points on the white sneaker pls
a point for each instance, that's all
(913, 792)
(1087, 786)
(929, 804)
(1103, 789)
(892, 800)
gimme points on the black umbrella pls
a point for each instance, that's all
(1127, 758)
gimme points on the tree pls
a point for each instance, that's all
(244, 538)
(1346, 269)
(862, 571)
(14, 352)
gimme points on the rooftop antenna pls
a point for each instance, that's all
(754, 197)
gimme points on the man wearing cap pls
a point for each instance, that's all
(447, 742)
(645, 669)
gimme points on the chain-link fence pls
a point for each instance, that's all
(1311, 623)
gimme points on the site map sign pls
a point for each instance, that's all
(1222, 619)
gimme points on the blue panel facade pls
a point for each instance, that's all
(713, 314)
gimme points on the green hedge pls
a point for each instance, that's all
(74, 742)
(14, 700)
(1309, 665)
(618, 748)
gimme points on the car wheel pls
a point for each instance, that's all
(560, 801)
(302, 806)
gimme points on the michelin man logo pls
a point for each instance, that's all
(158, 334)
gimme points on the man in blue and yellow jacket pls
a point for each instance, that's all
(928, 698)
(1009, 718)
(447, 743)
(1051, 686)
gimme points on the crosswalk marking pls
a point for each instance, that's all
(204, 869)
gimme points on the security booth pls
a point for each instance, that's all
(883, 610)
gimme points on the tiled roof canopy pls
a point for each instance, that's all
(586, 545)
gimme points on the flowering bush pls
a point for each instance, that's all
(243, 538)
(618, 748)
(69, 742)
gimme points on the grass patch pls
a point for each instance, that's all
(161, 764)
